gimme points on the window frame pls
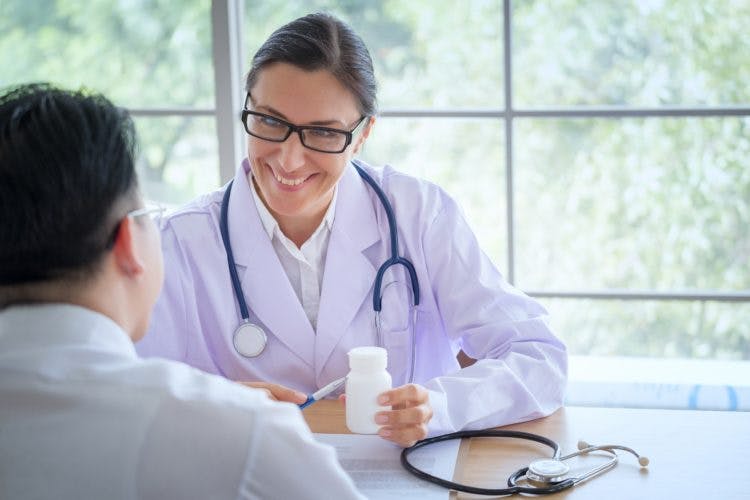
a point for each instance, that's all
(227, 16)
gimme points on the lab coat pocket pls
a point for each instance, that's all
(398, 344)
(396, 328)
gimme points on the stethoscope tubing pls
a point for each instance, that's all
(394, 259)
(512, 488)
(551, 478)
(224, 229)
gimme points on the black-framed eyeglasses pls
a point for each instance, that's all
(322, 139)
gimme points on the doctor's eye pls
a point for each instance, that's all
(270, 121)
(323, 133)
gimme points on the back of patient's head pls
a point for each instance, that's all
(66, 177)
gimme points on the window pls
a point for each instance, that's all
(151, 57)
(600, 150)
(629, 206)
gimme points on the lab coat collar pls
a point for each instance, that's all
(269, 295)
(349, 275)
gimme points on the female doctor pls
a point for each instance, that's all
(307, 235)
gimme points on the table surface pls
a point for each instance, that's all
(693, 454)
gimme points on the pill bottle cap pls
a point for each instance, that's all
(368, 358)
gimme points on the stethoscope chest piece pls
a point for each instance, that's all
(547, 470)
(249, 339)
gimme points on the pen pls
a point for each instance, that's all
(322, 392)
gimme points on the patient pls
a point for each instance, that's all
(81, 416)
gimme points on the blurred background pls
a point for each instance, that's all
(600, 149)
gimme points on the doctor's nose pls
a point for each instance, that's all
(292, 153)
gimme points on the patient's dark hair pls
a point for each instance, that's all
(66, 173)
(321, 41)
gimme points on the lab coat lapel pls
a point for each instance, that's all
(349, 275)
(268, 293)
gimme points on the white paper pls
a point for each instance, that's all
(375, 466)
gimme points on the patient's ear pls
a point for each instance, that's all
(125, 249)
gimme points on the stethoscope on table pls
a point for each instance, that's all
(250, 339)
(547, 475)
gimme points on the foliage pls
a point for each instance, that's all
(635, 204)
(140, 53)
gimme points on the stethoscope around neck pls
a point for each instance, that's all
(250, 339)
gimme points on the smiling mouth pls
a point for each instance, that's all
(289, 182)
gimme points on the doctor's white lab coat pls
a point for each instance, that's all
(464, 304)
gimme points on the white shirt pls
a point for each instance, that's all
(303, 266)
(81, 416)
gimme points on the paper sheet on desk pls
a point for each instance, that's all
(375, 466)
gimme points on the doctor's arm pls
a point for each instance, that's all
(521, 367)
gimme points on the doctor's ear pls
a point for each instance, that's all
(364, 135)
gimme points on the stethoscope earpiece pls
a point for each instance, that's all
(585, 447)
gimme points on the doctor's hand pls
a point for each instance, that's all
(407, 422)
(279, 392)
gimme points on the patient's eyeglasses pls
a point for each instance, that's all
(153, 210)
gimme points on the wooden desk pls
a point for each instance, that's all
(694, 454)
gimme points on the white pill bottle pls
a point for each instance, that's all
(367, 378)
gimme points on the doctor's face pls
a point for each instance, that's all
(295, 182)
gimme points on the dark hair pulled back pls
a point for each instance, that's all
(321, 41)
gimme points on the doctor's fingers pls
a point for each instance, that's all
(405, 396)
(279, 392)
(404, 436)
(405, 426)
(413, 415)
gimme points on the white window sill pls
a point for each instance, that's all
(658, 383)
